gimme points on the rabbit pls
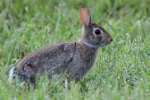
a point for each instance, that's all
(74, 59)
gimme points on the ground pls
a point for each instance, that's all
(122, 69)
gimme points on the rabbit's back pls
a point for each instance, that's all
(50, 60)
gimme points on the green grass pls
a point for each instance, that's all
(122, 70)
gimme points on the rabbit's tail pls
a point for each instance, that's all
(12, 74)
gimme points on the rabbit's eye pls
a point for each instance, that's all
(97, 31)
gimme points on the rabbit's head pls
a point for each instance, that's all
(93, 34)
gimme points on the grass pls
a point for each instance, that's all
(122, 69)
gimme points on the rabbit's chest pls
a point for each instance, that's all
(80, 64)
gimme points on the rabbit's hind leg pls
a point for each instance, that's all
(27, 75)
(27, 82)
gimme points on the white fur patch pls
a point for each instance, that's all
(66, 84)
(12, 74)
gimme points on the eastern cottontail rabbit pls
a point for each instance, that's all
(74, 59)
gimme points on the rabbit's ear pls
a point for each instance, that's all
(85, 17)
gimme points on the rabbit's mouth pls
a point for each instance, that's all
(103, 44)
(106, 42)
